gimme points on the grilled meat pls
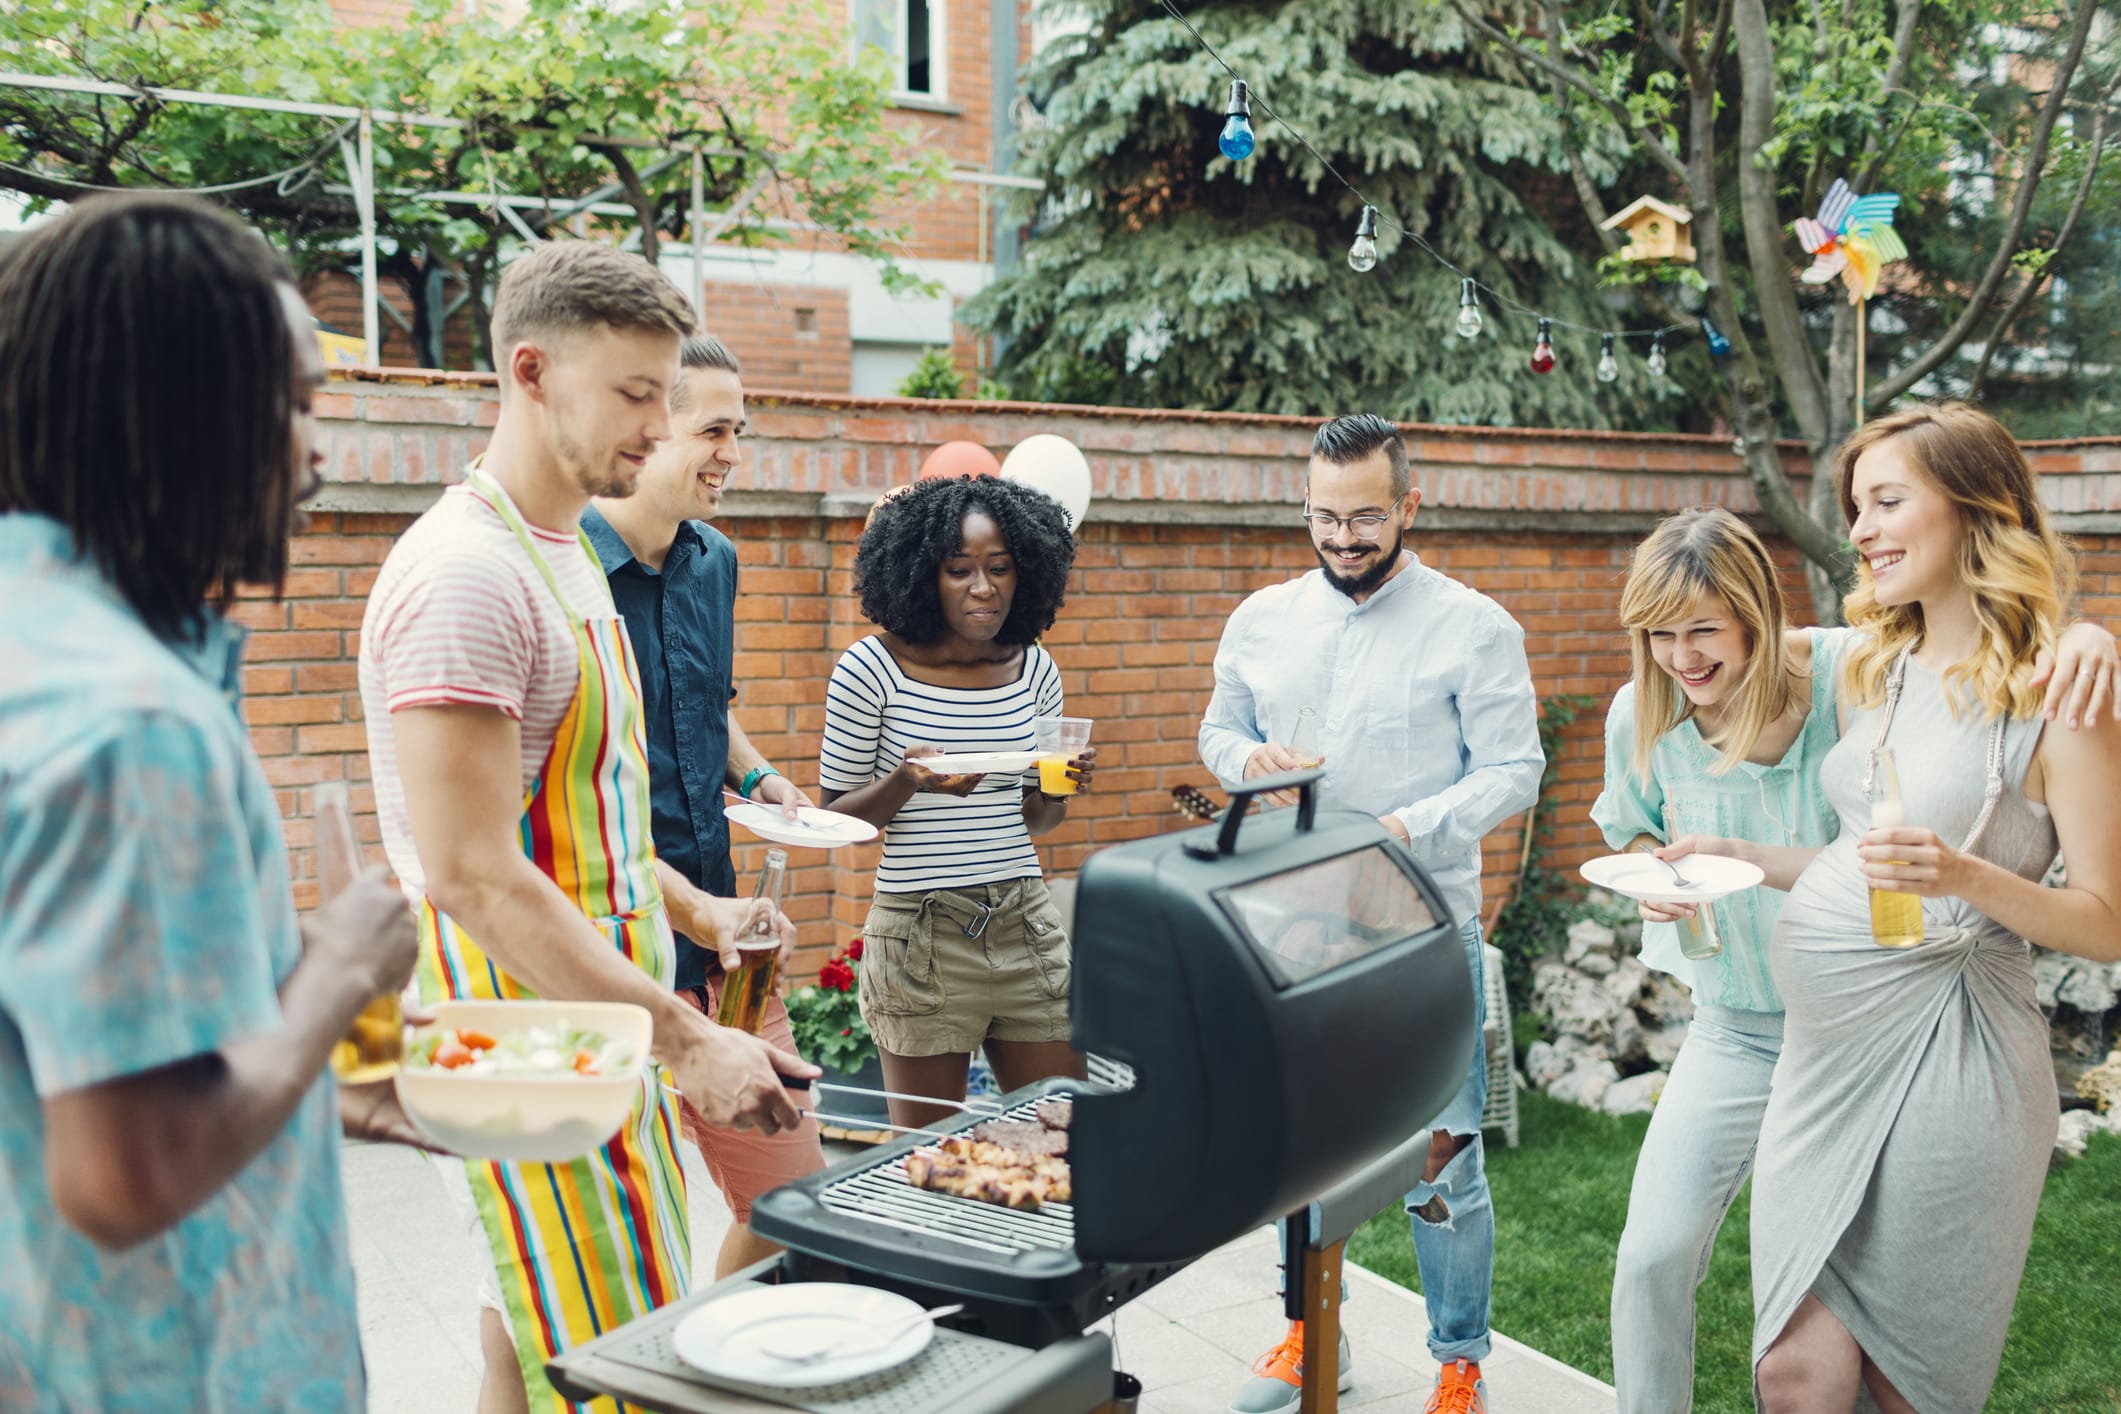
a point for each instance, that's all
(1055, 1114)
(990, 1173)
(1034, 1140)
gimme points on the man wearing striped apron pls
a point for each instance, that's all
(505, 736)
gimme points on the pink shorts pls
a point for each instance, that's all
(743, 1162)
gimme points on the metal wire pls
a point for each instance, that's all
(286, 180)
(1497, 297)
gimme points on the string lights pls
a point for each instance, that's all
(1362, 255)
(1468, 310)
(1237, 141)
(1543, 350)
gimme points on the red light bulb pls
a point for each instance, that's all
(1543, 351)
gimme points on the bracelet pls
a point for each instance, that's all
(752, 778)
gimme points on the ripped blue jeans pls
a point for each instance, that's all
(1457, 1254)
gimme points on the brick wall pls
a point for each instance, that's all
(1193, 511)
(786, 336)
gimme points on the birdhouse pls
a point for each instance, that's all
(1655, 231)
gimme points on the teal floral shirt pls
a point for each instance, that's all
(1780, 804)
(145, 918)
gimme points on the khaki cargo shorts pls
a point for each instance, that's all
(945, 970)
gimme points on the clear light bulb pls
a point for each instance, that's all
(1362, 255)
(1543, 350)
(1608, 366)
(1469, 320)
(1655, 362)
(1237, 140)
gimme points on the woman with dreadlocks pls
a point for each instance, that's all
(963, 948)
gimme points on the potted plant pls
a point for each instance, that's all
(826, 1018)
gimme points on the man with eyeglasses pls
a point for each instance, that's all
(1426, 719)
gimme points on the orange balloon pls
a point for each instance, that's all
(960, 459)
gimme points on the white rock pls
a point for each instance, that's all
(2087, 988)
(2050, 970)
(1586, 1084)
(1627, 1037)
(1587, 935)
(1661, 1044)
(1595, 964)
(1666, 1000)
(1635, 1095)
(2076, 1127)
(1627, 980)
(1543, 1064)
(1575, 1004)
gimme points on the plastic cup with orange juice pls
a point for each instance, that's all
(1060, 741)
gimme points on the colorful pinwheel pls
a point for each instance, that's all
(1853, 238)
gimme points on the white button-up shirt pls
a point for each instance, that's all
(1425, 708)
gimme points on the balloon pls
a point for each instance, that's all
(1055, 466)
(959, 459)
(884, 500)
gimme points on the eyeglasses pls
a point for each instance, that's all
(1365, 527)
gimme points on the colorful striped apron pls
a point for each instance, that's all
(584, 1247)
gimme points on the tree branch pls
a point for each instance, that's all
(1895, 75)
(1719, 35)
(1984, 294)
(637, 196)
(2036, 280)
(1655, 145)
(1802, 384)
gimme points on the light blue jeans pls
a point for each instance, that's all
(1457, 1256)
(1696, 1156)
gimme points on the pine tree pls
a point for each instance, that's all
(1168, 276)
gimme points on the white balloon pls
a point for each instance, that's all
(1052, 464)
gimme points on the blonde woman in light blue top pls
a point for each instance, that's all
(1715, 746)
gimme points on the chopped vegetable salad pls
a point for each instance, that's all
(530, 1050)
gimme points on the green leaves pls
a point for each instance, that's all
(1170, 277)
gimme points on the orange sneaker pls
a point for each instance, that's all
(1459, 1390)
(1276, 1386)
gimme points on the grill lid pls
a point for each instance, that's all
(1295, 1000)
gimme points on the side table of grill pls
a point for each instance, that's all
(956, 1374)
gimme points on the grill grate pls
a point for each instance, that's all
(881, 1194)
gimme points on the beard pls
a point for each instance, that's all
(612, 477)
(1363, 580)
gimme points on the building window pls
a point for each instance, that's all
(911, 32)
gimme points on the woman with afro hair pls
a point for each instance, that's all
(963, 946)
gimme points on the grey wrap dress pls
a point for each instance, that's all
(1913, 1111)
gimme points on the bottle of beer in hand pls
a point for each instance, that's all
(1896, 916)
(375, 1043)
(749, 986)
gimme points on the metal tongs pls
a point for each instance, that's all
(984, 1109)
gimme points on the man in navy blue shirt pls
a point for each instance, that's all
(673, 578)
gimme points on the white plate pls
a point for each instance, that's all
(722, 1338)
(977, 763)
(1640, 877)
(812, 828)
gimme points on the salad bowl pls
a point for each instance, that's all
(551, 1082)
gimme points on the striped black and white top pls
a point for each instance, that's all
(875, 714)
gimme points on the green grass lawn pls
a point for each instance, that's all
(1561, 1199)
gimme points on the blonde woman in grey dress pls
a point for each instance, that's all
(1913, 1110)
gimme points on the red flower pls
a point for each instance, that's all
(854, 950)
(836, 976)
(846, 1030)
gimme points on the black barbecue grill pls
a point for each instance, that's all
(1295, 1002)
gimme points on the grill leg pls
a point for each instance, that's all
(1320, 1284)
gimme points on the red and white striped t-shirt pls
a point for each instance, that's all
(459, 614)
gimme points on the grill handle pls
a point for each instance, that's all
(1304, 782)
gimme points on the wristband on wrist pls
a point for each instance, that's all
(752, 778)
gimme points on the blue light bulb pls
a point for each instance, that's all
(1237, 140)
(1719, 342)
